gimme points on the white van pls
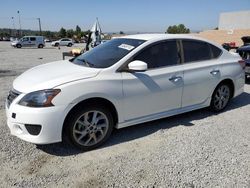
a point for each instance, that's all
(29, 41)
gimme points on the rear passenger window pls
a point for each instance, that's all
(196, 51)
(160, 55)
(32, 38)
(216, 51)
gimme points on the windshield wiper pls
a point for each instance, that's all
(88, 64)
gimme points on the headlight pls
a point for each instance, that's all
(41, 98)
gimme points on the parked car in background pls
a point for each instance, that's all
(47, 40)
(29, 41)
(244, 52)
(123, 82)
(63, 42)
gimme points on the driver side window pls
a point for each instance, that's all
(25, 39)
(159, 55)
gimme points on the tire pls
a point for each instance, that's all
(56, 44)
(83, 129)
(40, 46)
(70, 44)
(19, 46)
(221, 97)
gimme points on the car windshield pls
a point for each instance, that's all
(108, 53)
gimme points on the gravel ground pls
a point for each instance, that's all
(196, 149)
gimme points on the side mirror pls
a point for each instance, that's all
(138, 66)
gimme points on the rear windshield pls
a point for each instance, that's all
(108, 53)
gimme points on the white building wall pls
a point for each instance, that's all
(234, 20)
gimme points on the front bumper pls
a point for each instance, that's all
(51, 120)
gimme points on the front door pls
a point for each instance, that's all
(25, 41)
(159, 89)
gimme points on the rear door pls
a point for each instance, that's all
(201, 71)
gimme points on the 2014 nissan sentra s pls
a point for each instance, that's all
(123, 82)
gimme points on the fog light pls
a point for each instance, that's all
(33, 129)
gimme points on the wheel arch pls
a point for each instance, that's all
(90, 101)
(230, 83)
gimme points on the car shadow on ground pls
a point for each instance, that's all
(145, 129)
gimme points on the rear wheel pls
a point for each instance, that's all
(19, 46)
(221, 97)
(69, 45)
(89, 127)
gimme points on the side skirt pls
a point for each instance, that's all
(163, 114)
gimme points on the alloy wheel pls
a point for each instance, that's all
(90, 128)
(221, 97)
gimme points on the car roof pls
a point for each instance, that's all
(33, 36)
(161, 36)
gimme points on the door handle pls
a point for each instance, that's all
(215, 72)
(175, 78)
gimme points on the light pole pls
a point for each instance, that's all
(13, 24)
(39, 22)
(20, 27)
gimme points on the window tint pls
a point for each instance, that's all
(65, 40)
(196, 50)
(32, 39)
(216, 51)
(160, 55)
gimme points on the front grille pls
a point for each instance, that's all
(12, 95)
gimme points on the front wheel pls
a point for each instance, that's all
(89, 127)
(19, 46)
(69, 45)
(221, 97)
(40, 46)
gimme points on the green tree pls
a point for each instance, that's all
(62, 32)
(70, 33)
(78, 29)
(176, 29)
(121, 33)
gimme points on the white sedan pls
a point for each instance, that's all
(123, 82)
(63, 42)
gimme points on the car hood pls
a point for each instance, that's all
(50, 75)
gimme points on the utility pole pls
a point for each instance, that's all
(39, 22)
(20, 27)
(13, 24)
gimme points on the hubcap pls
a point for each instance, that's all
(90, 128)
(222, 96)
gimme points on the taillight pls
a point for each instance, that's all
(242, 63)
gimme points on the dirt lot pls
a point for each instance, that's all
(196, 149)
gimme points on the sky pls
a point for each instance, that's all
(117, 15)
